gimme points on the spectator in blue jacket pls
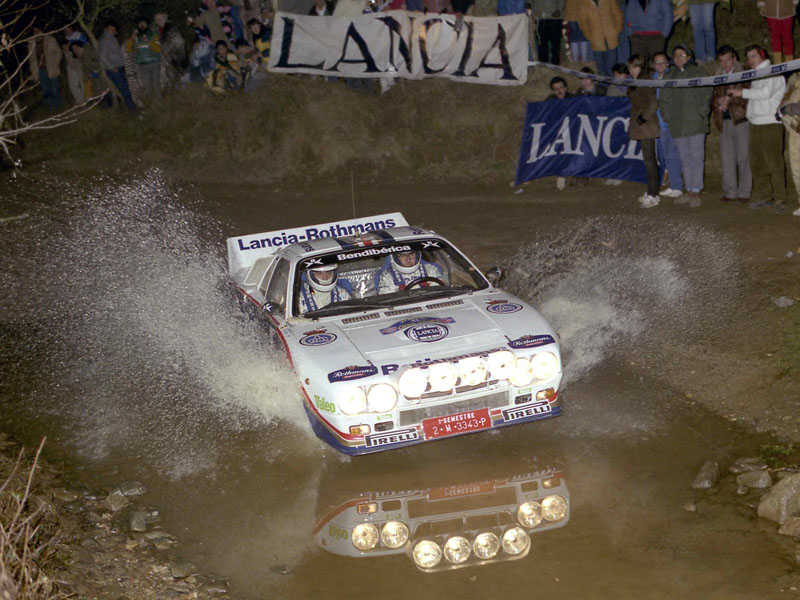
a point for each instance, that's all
(648, 23)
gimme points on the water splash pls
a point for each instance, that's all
(131, 331)
(619, 284)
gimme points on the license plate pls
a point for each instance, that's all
(473, 420)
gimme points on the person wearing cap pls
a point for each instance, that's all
(404, 268)
(320, 286)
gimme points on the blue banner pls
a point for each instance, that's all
(585, 136)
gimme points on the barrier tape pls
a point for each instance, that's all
(711, 80)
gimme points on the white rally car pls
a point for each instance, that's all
(388, 354)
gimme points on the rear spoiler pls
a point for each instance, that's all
(243, 251)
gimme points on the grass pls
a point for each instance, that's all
(777, 455)
(28, 536)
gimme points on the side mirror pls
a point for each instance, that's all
(496, 276)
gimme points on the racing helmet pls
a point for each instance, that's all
(403, 269)
(318, 284)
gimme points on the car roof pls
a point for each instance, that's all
(324, 245)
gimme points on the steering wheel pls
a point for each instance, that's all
(422, 280)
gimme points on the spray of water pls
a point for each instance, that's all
(115, 304)
(619, 285)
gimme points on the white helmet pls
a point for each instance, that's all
(403, 269)
(323, 286)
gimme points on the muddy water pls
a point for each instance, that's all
(119, 342)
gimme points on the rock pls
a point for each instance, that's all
(157, 535)
(707, 477)
(742, 490)
(790, 527)
(182, 570)
(280, 569)
(116, 501)
(690, 506)
(783, 302)
(215, 588)
(138, 521)
(90, 543)
(152, 514)
(133, 488)
(65, 495)
(782, 501)
(747, 463)
(754, 479)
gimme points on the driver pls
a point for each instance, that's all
(320, 286)
(404, 268)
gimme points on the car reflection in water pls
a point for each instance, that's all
(445, 528)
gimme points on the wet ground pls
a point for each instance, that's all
(120, 343)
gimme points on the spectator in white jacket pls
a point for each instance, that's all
(766, 133)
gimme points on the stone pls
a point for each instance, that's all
(152, 514)
(183, 570)
(157, 535)
(215, 588)
(280, 569)
(116, 501)
(133, 488)
(747, 463)
(138, 521)
(65, 495)
(707, 477)
(742, 490)
(690, 506)
(782, 501)
(754, 479)
(783, 302)
(790, 527)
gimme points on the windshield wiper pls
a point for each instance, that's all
(415, 294)
(344, 306)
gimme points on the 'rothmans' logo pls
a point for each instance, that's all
(352, 372)
(532, 341)
(406, 323)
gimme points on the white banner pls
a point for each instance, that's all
(491, 50)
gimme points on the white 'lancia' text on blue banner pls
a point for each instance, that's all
(584, 137)
(491, 50)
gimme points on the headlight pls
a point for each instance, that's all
(502, 364)
(442, 377)
(427, 554)
(486, 545)
(413, 383)
(554, 508)
(364, 536)
(523, 374)
(394, 534)
(457, 549)
(516, 541)
(472, 370)
(529, 514)
(545, 365)
(352, 401)
(381, 398)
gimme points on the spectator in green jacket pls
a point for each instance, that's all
(686, 112)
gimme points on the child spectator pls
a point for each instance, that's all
(227, 75)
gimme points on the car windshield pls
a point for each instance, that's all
(373, 276)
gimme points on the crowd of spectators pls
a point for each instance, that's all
(228, 49)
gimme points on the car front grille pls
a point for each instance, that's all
(416, 415)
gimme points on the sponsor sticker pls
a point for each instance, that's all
(457, 491)
(318, 337)
(532, 341)
(371, 252)
(427, 333)
(406, 323)
(391, 437)
(324, 405)
(503, 307)
(352, 372)
(526, 410)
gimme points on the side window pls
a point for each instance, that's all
(262, 288)
(276, 292)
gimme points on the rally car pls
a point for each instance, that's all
(395, 336)
(448, 527)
